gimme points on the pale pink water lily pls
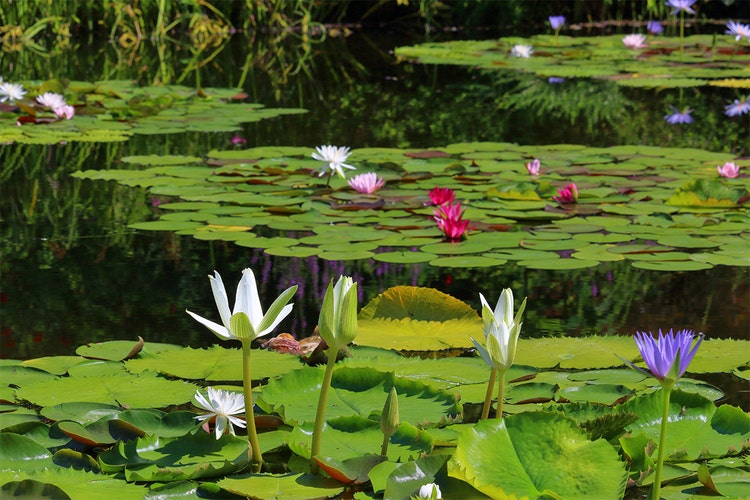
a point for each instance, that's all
(66, 111)
(246, 303)
(737, 107)
(366, 183)
(728, 170)
(11, 92)
(739, 30)
(635, 41)
(522, 51)
(221, 406)
(449, 218)
(440, 196)
(533, 166)
(334, 157)
(566, 195)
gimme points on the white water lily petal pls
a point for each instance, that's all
(219, 330)
(220, 297)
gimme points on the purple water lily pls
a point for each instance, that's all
(739, 30)
(556, 22)
(654, 27)
(669, 355)
(681, 5)
(678, 117)
(737, 107)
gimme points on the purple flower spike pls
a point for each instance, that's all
(668, 356)
(556, 22)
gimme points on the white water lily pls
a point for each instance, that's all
(522, 51)
(501, 331)
(246, 321)
(431, 491)
(11, 92)
(337, 323)
(335, 157)
(222, 405)
(51, 100)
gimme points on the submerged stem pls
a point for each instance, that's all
(253, 446)
(488, 396)
(500, 392)
(656, 488)
(320, 414)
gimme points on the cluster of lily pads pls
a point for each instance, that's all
(114, 110)
(660, 208)
(571, 421)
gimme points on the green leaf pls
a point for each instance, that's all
(537, 454)
(288, 486)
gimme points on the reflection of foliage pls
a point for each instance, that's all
(595, 103)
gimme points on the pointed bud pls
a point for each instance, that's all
(389, 419)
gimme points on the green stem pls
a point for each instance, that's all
(656, 488)
(253, 446)
(488, 395)
(500, 392)
(384, 446)
(682, 32)
(320, 414)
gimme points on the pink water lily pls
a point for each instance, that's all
(635, 41)
(568, 194)
(729, 170)
(449, 218)
(441, 196)
(533, 166)
(366, 183)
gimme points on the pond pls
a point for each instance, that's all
(80, 265)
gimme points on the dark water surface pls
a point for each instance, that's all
(72, 272)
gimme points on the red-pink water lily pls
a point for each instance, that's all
(441, 196)
(449, 218)
(568, 194)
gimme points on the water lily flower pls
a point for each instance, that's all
(66, 111)
(739, 30)
(654, 27)
(555, 79)
(335, 158)
(668, 356)
(501, 331)
(51, 100)
(737, 107)
(238, 140)
(556, 22)
(441, 196)
(337, 323)
(635, 41)
(729, 170)
(568, 194)
(222, 406)
(11, 92)
(681, 5)
(678, 117)
(247, 320)
(533, 166)
(449, 218)
(366, 183)
(523, 51)
(430, 491)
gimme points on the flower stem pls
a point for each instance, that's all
(320, 414)
(253, 446)
(500, 392)
(656, 488)
(488, 396)
(682, 32)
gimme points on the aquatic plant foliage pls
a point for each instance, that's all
(659, 208)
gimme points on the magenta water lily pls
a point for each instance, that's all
(440, 196)
(567, 195)
(450, 220)
(728, 170)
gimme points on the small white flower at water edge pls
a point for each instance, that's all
(522, 51)
(223, 406)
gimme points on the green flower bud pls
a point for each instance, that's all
(389, 419)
